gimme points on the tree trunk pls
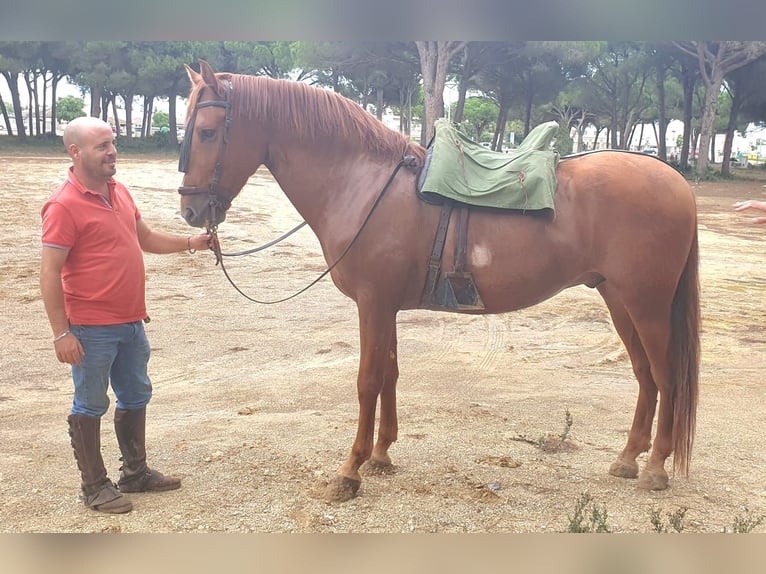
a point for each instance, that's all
(379, 103)
(13, 86)
(45, 103)
(502, 118)
(146, 119)
(172, 124)
(462, 91)
(598, 133)
(6, 119)
(95, 101)
(115, 115)
(662, 151)
(580, 131)
(129, 118)
(709, 111)
(728, 142)
(54, 89)
(34, 118)
(528, 113)
(689, 83)
(434, 62)
(716, 59)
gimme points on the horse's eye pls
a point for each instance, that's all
(207, 135)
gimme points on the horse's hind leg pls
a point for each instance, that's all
(645, 329)
(388, 428)
(639, 437)
(654, 330)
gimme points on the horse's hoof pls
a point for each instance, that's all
(341, 489)
(624, 469)
(378, 466)
(653, 480)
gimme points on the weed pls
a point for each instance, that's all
(568, 419)
(675, 520)
(550, 442)
(745, 524)
(588, 516)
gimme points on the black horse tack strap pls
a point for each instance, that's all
(216, 200)
(435, 261)
(456, 291)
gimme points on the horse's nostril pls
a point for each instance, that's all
(189, 215)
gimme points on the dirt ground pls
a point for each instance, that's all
(255, 405)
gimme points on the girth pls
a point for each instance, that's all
(456, 291)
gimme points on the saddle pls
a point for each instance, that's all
(458, 168)
(457, 174)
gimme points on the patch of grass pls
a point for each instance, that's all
(46, 143)
(745, 524)
(49, 143)
(675, 520)
(588, 516)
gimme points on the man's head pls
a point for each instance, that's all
(90, 143)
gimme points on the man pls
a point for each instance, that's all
(92, 283)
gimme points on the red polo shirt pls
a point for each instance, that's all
(103, 276)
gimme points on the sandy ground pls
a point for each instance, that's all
(255, 406)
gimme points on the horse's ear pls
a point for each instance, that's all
(210, 79)
(194, 77)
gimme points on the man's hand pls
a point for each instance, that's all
(69, 350)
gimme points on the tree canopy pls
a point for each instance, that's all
(616, 88)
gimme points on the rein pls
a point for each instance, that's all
(265, 245)
(408, 161)
(216, 201)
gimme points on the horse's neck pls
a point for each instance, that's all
(332, 190)
(315, 177)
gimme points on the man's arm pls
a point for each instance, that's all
(67, 347)
(153, 241)
(752, 204)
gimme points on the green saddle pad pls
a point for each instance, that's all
(461, 169)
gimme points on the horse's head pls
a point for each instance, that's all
(213, 157)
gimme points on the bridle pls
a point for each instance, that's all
(216, 199)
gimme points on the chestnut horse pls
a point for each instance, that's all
(625, 224)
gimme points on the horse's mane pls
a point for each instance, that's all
(307, 112)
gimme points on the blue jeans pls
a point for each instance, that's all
(113, 353)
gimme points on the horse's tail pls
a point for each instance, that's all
(685, 358)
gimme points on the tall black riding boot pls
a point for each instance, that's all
(135, 475)
(98, 492)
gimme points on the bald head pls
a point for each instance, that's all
(79, 130)
(90, 143)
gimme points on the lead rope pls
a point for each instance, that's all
(408, 161)
(265, 245)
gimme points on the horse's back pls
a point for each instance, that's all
(628, 179)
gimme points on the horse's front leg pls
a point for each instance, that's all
(376, 328)
(388, 429)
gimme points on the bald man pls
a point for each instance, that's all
(93, 286)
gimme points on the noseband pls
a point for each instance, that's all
(216, 199)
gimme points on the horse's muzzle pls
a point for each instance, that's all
(205, 209)
(193, 218)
